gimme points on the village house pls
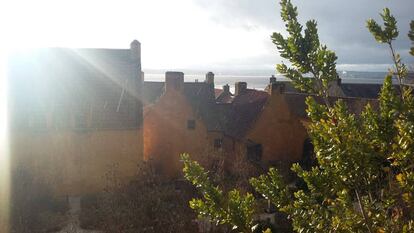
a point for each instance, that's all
(74, 114)
(268, 127)
(78, 113)
(179, 117)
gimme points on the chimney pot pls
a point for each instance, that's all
(272, 79)
(240, 88)
(135, 48)
(226, 88)
(210, 78)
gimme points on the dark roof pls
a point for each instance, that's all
(361, 90)
(218, 92)
(296, 103)
(201, 97)
(76, 81)
(369, 91)
(151, 91)
(222, 96)
(239, 116)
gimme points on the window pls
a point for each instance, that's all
(191, 124)
(218, 142)
(254, 152)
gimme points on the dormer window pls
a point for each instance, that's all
(191, 124)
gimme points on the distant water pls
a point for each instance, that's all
(260, 82)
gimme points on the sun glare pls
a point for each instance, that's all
(4, 149)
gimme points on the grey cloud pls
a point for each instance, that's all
(341, 23)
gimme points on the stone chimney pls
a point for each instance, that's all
(135, 55)
(226, 88)
(174, 81)
(272, 79)
(240, 88)
(135, 50)
(210, 78)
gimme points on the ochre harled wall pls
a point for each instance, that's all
(280, 132)
(166, 135)
(76, 162)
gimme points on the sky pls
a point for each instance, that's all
(202, 34)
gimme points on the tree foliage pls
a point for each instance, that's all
(304, 51)
(411, 36)
(232, 208)
(387, 35)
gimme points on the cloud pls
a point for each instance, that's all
(341, 23)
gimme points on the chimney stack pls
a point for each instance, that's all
(240, 88)
(226, 88)
(210, 78)
(272, 79)
(174, 81)
(135, 50)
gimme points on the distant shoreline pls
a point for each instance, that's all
(261, 81)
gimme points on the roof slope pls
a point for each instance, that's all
(370, 91)
(202, 99)
(358, 90)
(151, 91)
(296, 103)
(239, 116)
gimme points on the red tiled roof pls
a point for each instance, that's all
(222, 96)
(218, 92)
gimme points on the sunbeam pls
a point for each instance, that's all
(4, 149)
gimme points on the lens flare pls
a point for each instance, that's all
(4, 148)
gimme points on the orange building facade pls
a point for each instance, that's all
(253, 124)
(278, 130)
(180, 121)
